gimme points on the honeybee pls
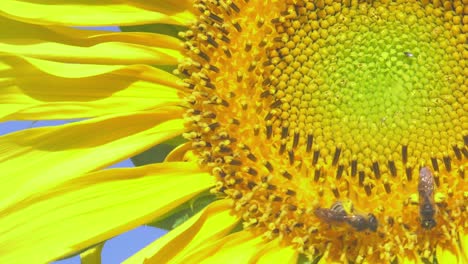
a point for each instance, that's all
(336, 213)
(426, 198)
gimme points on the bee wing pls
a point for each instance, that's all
(426, 187)
(426, 182)
(330, 215)
(427, 208)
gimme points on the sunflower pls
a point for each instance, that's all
(316, 130)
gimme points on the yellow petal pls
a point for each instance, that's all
(178, 154)
(31, 160)
(214, 222)
(71, 70)
(79, 13)
(410, 257)
(87, 210)
(92, 255)
(274, 252)
(31, 92)
(81, 46)
(165, 6)
(239, 247)
(16, 32)
(464, 247)
(445, 255)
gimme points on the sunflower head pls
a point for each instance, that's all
(317, 117)
(333, 129)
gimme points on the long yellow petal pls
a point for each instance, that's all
(275, 252)
(35, 159)
(445, 255)
(464, 246)
(214, 222)
(71, 70)
(164, 6)
(239, 247)
(16, 32)
(31, 92)
(92, 255)
(84, 13)
(87, 210)
(80, 46)
(103, 53)
(178, 154)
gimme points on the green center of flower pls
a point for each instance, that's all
(371, 80)
(306, 111)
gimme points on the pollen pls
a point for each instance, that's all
(316, 118)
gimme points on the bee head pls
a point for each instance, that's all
(373, 223)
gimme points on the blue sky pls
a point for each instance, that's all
(121, 247)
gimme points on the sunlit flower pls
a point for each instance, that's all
(332, 131)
